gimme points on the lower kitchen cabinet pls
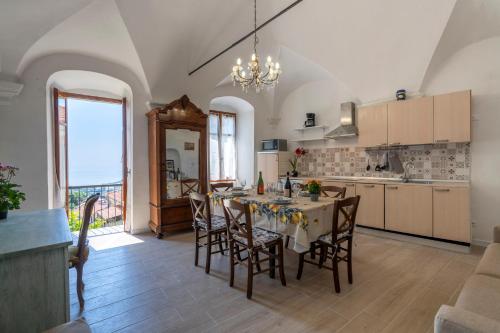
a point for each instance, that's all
(371, 205)
(408, 208)
(451, 213)
(350, 189)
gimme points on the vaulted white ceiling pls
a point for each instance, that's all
(372, 47)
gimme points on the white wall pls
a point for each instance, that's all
(24, 129)
(477, 67)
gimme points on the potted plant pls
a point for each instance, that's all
(314, 188)
(299, 152)
(10, 197)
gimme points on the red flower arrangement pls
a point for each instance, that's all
(299, 152)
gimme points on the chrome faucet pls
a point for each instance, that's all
(406, 175)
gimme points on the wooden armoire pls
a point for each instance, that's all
(177, 163)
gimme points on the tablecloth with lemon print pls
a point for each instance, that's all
(303, 219)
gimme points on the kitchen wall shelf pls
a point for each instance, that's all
(309, 140)
(311, 128)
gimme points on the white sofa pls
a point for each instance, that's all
(478, 306)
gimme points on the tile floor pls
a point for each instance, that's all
(143, 284)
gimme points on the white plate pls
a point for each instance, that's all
(281, 201)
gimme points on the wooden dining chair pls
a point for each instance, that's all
(208, 226)
(221, 187)
(332, 245)
(79, 254)
(189, 185)
(332, 191)
(243, 237)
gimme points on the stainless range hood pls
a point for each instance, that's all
(347, 126)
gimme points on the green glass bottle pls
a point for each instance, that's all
(260, 184)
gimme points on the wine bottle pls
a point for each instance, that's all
(260, 184)
(288, 186)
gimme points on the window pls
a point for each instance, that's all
(222, 145)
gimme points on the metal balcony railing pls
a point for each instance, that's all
(108, 210)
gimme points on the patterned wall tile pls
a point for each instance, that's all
(442, 161)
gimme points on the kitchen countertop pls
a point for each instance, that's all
(23, 233)
(389, 181)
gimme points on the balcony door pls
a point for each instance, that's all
(90, 155)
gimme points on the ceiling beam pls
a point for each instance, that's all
(293, 4)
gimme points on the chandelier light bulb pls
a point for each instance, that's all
(269, 59)
(238, 61)
(243, 74)
(277, 65)
(254, 57)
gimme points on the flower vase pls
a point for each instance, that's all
(295, 173)
(3, 215)
(314, 196)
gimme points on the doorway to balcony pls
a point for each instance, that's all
(92, 159)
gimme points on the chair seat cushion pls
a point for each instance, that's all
(73, 255)
(218, 223)
(327, 238)
(260, 237)
(481, 294)
(490, 262)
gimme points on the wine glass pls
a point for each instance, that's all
(296, 189)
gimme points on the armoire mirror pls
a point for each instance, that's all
(182, 162)
(177, 163)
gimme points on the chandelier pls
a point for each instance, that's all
(256, 76)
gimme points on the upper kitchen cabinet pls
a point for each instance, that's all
(372, 125)
(452, 117)
(410, 122)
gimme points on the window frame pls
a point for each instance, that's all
(219, 115)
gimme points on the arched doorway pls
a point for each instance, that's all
(88, 117)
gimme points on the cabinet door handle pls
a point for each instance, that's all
(395, 144)
(350, 185)
(391, 187)
(442, 189)
(370, 186)
(442, 141)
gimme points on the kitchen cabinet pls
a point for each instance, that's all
(350, 190)
(371, 205)
(273, 165)
(408, 208)
(372, 126)
(452, 114)
(410, 122)
(451, 213)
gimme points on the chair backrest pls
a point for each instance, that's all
(220, 187)
(344, 216)
(200, 206)
(328, 190)
(87, 214)
(189, 185)
(234, 211)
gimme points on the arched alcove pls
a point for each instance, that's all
(245, 119)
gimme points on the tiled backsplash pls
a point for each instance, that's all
(441, 161)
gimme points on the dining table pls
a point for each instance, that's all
(302, 219)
